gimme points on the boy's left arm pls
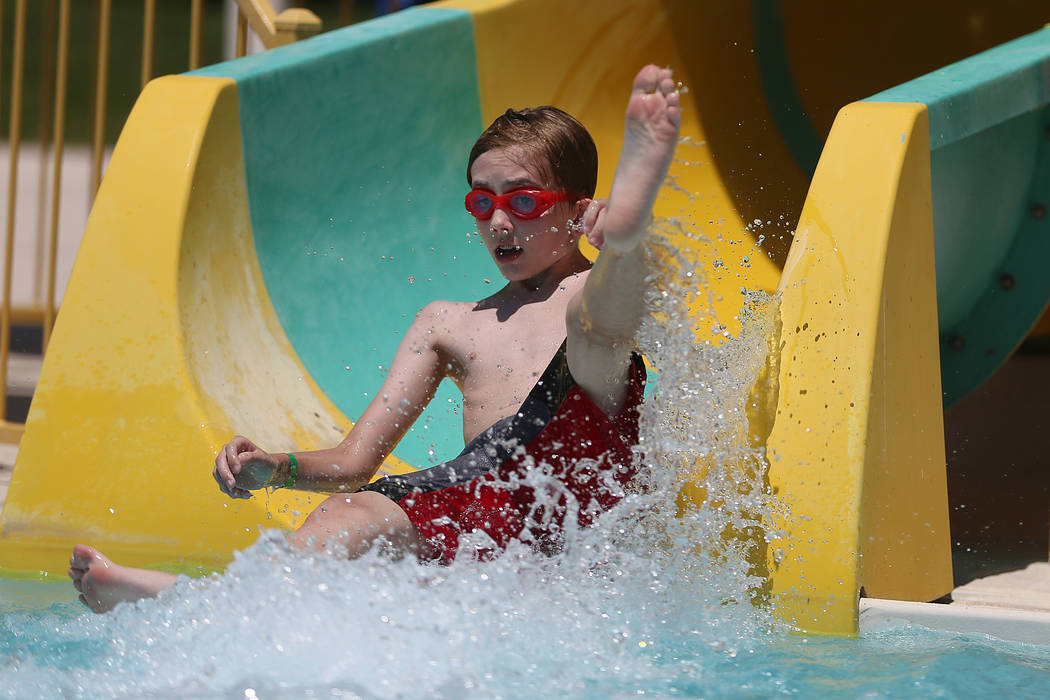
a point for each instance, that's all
(602, 319)
(601, 322)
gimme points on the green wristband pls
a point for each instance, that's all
(293, 471)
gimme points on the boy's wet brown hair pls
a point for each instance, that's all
(558, 144)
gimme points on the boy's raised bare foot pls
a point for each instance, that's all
(650, 137)
(103, 584)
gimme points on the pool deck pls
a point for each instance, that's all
(1026, 589)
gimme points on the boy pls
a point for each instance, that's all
(532, 175)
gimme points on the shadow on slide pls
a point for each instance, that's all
(268, 227)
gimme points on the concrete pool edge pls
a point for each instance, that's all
(1025, 626)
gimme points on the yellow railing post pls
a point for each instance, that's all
(14, 137)
(275, 29)
(101, 71)
(242, 33)
(1, 42)
(346, 12)
(149, 14)
(46, 104)
(196, 32)
(56, 175)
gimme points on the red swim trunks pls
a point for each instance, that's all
(586, 459)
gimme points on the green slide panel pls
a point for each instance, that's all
(356, 196)
(990, 162)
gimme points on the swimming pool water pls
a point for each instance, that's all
(280, 625)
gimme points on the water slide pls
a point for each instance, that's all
(268, 227)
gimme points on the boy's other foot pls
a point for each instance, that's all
(650, 137)
(103, 584)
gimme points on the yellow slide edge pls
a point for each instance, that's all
(856, 450)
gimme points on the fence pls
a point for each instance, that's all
(75, 118)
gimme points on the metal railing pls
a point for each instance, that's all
(272, 28)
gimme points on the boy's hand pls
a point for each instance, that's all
(594, 222)
(241, 467)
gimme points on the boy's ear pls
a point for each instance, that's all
(579, 210)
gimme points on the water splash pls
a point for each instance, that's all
(699, 438)
(634, 602)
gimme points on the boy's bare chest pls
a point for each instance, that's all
(499, 361)
(504, 354)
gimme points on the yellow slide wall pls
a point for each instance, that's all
(142, 350)
(857, 449)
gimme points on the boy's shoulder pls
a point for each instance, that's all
(444, 309)
(442, 318)
(456, 322)
(451, 327)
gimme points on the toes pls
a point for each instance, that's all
(82, 556)
(648, 79)
(652, 80)
(93, 607)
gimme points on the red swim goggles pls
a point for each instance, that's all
(524, 202)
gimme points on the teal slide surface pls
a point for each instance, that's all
(990, 166)
(350, 201)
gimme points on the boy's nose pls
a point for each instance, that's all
(500, 220)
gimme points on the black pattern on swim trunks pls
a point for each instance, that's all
(495, 444)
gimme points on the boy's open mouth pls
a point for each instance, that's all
(508, 253)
